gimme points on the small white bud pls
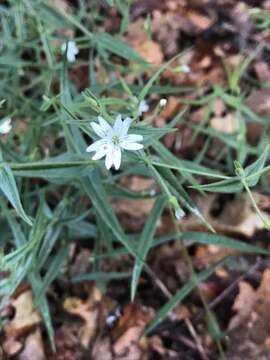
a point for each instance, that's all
(72, 50)
(179, 213)
(185, 69)
(153, 192)
(142, 107)
(163, 102)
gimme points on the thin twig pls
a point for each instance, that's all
(226, 292)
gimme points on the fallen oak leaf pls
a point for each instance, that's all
(251, 322)
(150, 51)
(93, 311)
(227, 124)
(26, 317)
(85, 311)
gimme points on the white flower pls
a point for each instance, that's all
(143, 107)
(72, 50)
(162, 102)
(113, 140)
(5, 126)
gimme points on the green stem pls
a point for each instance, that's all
(265, 221)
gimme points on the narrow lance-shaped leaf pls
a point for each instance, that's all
(234, 185)
(224, 241)
(118, 47)
(9, 188)
(146, 242)
(256, 167)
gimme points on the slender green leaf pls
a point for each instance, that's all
(10, 190)
(118, 47)
(224, 241)
(145, 242)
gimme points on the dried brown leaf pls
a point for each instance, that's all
(26, 316)
(33, 348)
(252, 322)
(227, 124)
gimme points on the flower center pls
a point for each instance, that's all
(116, 139)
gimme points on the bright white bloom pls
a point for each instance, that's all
(72, 50)
(113, 140)
(162, 102)
(5, 126)
(143, 107)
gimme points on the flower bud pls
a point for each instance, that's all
(162, 102)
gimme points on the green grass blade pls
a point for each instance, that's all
(146, 241)
(257, 166)
(9, 188)
(118, 47)
(224, 241)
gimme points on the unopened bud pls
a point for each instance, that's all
(162, 102)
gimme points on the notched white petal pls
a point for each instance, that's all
(104, 124)
(117, 157)
(131, 146)
(98, 129)
(97, 145)
(126, 125)
(118, 124)
(99, 154)
(133, 138)
(109, 159)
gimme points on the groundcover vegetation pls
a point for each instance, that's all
(78, 111)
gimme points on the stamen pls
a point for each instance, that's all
(116, 139)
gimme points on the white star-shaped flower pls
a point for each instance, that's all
(143, 107)
(5, 126)
(72, 50)
(113, 140)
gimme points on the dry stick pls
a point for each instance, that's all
(196, 338)
(188, 323)
(192, 270)
(225, 292)
(157, 281)
(186, 341)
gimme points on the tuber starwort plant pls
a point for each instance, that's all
(80, 130)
